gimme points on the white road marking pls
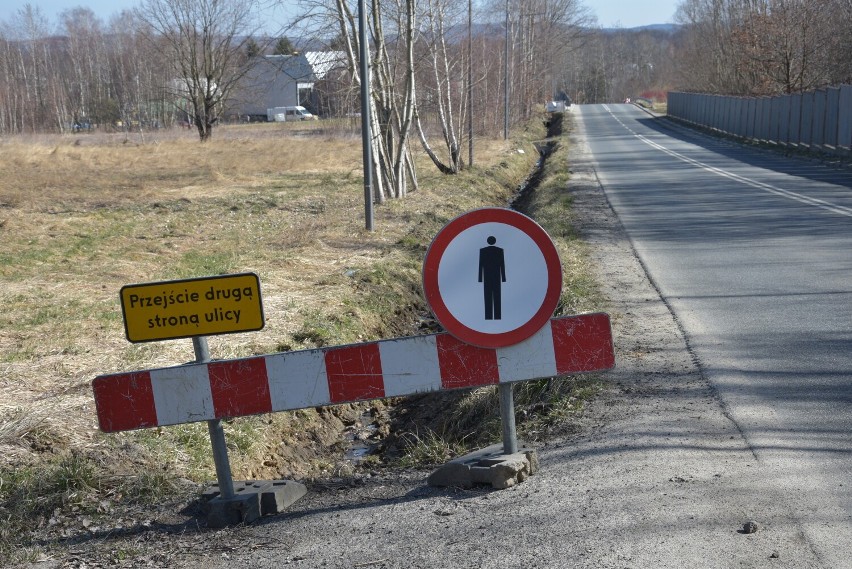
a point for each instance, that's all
(834, 208)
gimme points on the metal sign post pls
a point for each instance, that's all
(507, 417)
(366, 135)
(217, 433)
(196, 308)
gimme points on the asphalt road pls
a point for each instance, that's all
(752, 252)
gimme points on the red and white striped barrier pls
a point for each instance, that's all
(343, 374)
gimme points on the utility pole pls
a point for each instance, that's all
(366, 136)
(506, 79)
(470, 82)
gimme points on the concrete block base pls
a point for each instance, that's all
(487, 466)
(252, 499)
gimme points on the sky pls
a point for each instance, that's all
(632, 14)
(610, 13)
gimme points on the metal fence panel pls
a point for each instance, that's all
(775, 119)
(751, 117)
(709, 106)
(739, 122)
(733, 116)
(844, 119)
(689, 106)
(765, 118)
(794, 136)
(673, 102)
(818, 125)
(673, 107)
(729, 114)
(717, 109)
(832, 112)
(784, 120)
(805, 134)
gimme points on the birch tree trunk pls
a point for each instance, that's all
(392, 97)
(442, 74)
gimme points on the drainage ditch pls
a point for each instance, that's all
(521, 201)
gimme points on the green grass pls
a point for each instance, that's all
(429, 448)
(73, 483)
(201, 262)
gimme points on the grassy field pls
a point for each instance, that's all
(81, 216)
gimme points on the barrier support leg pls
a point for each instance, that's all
(217, 434)
(227, 504)
(507, 416)
(501, 466)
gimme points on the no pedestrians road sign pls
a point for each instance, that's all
(492, 277)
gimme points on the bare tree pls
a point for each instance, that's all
(205, 41)
(392, 28)
(31, 66)
(444, 71)
(763, 47)
(543, 35)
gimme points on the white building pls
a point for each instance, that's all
(283, 81)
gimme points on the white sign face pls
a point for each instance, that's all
(492, 277)
(486, 295)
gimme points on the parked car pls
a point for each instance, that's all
(287, 114)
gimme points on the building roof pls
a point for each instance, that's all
(309, 66)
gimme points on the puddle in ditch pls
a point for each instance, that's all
(362, 437)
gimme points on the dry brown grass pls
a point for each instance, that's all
(91, 171)
(82, 216)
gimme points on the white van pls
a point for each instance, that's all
(287, 114)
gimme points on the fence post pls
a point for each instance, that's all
(832, 113)
(844, 118)
(818, 126)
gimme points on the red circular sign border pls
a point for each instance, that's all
(436, 252)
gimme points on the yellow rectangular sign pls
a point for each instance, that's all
(192, 307)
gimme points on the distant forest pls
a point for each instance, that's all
(82, 71)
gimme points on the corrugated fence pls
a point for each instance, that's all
(817, 120)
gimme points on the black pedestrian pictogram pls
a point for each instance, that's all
(492, 272)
